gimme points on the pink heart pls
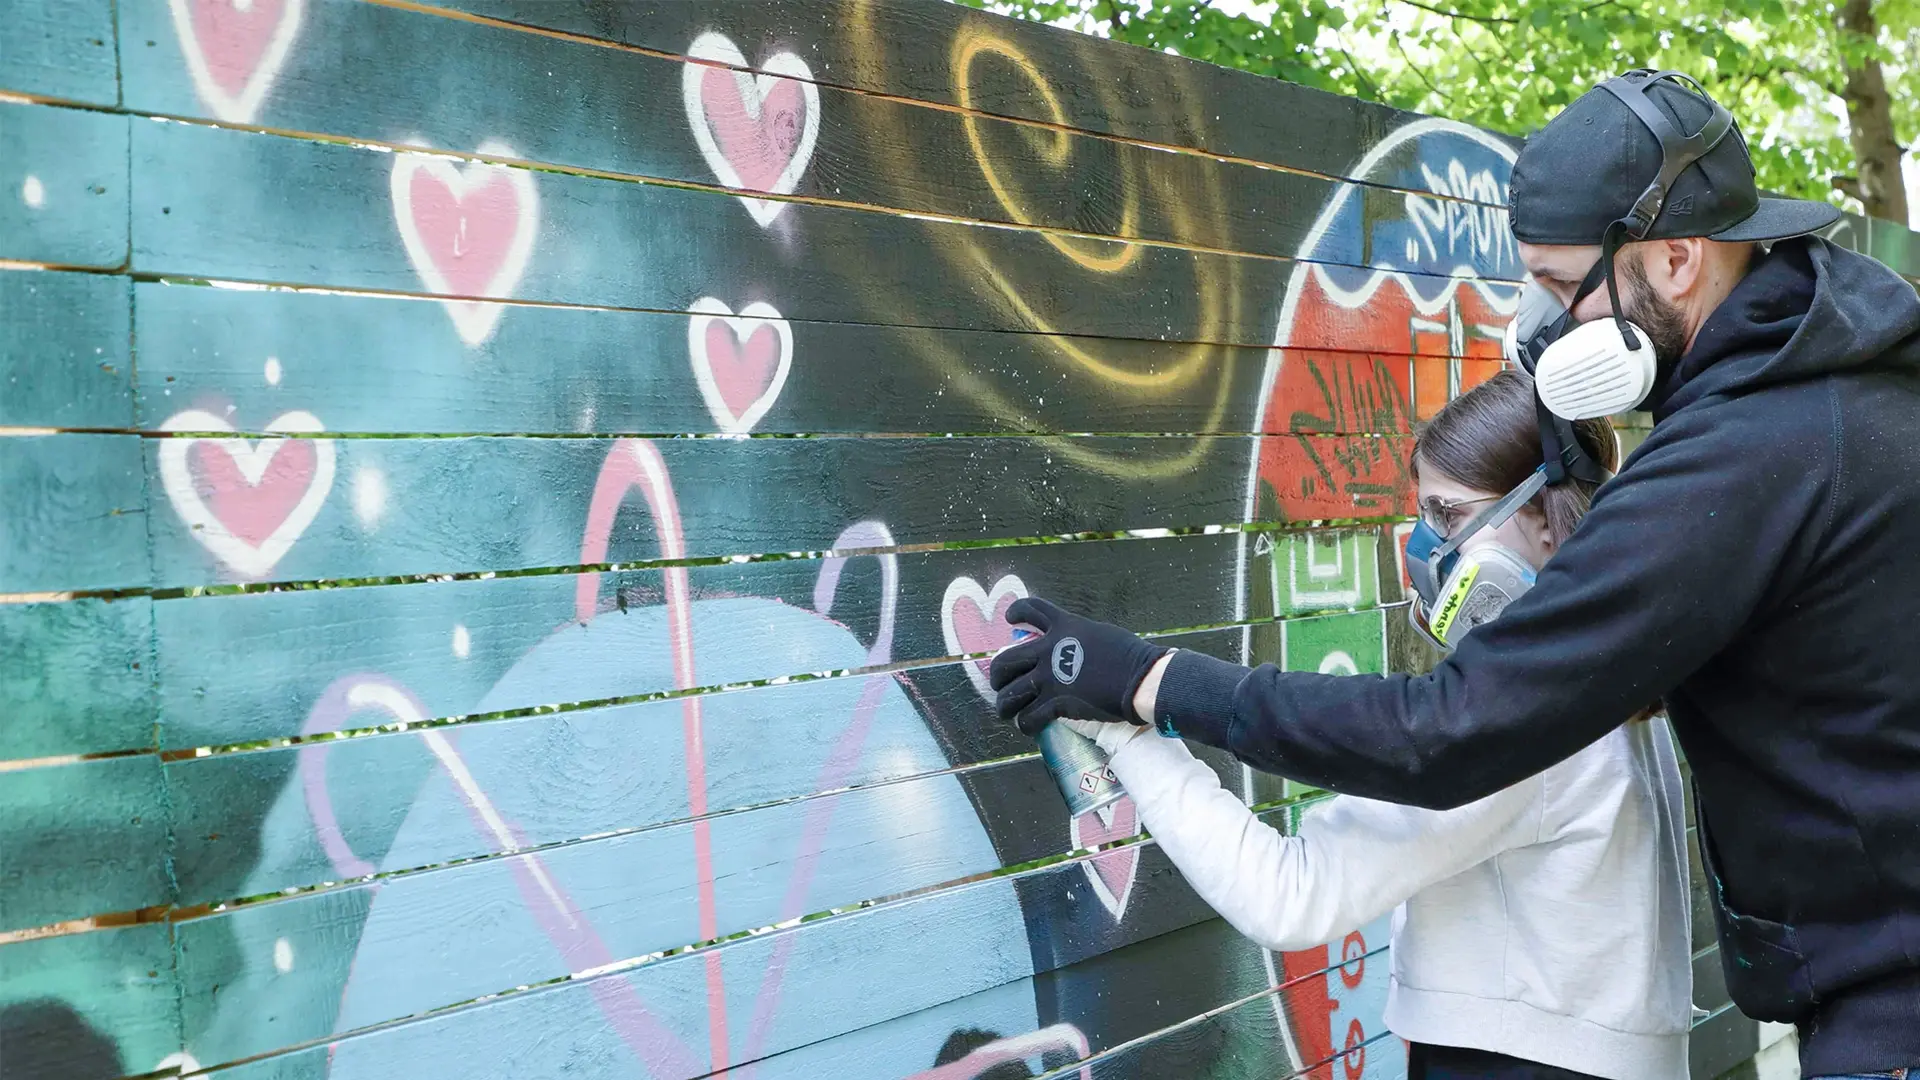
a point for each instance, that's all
(974, 619)
(254, 510)
(467, 234)
(759, 147)
(742, 370)
(234, 37)
(980, 630)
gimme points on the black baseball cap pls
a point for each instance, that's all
(1587, 168)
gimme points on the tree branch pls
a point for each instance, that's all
(1415, 68)
(1487, 19)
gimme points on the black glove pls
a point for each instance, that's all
(1075, 667)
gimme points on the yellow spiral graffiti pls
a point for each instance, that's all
(1106, 263)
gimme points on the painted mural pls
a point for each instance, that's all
(594, 690)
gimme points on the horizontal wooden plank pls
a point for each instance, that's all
(389, 365)
(298, 212)
(63, 186)
(82, 839)
(95, 1004)
(327, 508)
(951, 55)
(689, 1014)
(59, 49)
(65, 350)
(235, 669)
(76, 513)
(355, 70)
(261, 821)
(75, 678)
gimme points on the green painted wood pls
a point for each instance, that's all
(83, 839)
(75, 513)
(294, 211)
(63, 186)
(975, 927)
(908, 49)
(59, 49)
(234, 669)
(75, 678)
(65, 351)
(94, 1004)
(390, 365)
(357, 69)
(401, 506)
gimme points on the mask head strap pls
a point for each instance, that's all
(1677, 151)
(1491, 518)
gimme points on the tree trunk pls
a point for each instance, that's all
(1877, 181)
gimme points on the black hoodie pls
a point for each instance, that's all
(1754, 565)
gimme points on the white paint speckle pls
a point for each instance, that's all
(243, 5)
(462, 641)
(182, 1061)
(283, 956)
(369, 495)
(273, 371)
(33, 193)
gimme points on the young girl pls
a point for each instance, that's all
(1541, 932)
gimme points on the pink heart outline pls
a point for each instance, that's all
(211, 69)
(984, 628)
(720, 387)
(254, 462)
(782, 73)
(1111, 873)
(451, 232)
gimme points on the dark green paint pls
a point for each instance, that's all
(97, 1004)
(65, 351)
(75, 678)
(83, 839)
(59, 49)
(75, 513)
(63, 186)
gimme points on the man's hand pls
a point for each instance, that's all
(1075, 667)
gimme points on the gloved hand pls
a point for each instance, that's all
(1075, 667)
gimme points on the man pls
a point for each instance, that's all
(1752, 565)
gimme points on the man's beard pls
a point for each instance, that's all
(1665, 324)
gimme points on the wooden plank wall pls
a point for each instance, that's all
(505, 500)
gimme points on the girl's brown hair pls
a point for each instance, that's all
(1489, 438)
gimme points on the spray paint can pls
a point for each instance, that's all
(1079, 769)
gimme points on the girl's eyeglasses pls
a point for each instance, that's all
(1445, 515)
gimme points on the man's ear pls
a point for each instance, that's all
(1676, 268)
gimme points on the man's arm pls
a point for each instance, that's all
(1673, 559)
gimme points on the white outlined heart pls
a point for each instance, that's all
(737, 391)
(468, 228)
(235, 51)
(747, 133)
(982, 629)
(252, 459)
(1110, 873)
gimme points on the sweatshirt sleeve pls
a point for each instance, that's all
(1675, 556)
(1352, 861)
